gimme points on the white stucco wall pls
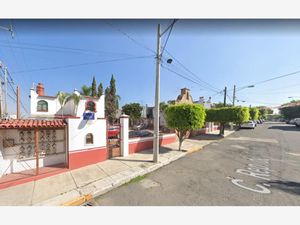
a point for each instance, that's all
(53, 105)
(99, 107)
(79, 128)
(9, 161)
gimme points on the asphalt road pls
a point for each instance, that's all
(249, 167)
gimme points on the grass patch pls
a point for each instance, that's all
(136, 179)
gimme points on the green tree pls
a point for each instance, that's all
(111, 100)
(227, 114)
(62, 97)
(86, 91)
(76, 98)
(184, 118)
(100, 90)
(94, 88)
(221, 105)
(163, 106)
(133, 110)
(254, 113)
(290, 112)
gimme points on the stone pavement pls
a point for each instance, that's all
(98, 178)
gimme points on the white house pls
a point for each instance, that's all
(72, 134)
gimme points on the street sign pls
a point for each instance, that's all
(88, 116)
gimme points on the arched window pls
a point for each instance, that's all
(42, 106)
(91, 106)
(89, 139)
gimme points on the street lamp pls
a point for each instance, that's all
(234, 91)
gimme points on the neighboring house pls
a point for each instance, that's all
(184, 97)
(207, 104)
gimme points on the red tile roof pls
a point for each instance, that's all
(31, 123)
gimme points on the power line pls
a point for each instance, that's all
(189, 76)
(170, 27)
(197, 77)
(82, 64)
(63, 50)
(130, 38)
(271, 79)
(181, 75)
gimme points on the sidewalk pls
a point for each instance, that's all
(98, 178)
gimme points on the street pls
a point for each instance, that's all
(259, 167)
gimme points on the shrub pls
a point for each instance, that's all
(184, 118)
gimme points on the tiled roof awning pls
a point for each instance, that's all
(31, 123)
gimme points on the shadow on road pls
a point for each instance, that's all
(207, 137)
(287, 186)
(285, 128)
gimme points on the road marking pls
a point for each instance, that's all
(259, 169)
(262, 190)
(294, 154)
(253, 139)
(239, 147)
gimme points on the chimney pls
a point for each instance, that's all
(40, 90)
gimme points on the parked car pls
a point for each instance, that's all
(292, 121)
(250, 124)
(139, 133)
(297, 122)
(113, 131)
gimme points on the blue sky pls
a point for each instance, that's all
(219, 52)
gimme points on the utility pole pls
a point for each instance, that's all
(222, 124)
(18, 102)
(225, 93)
(233, 98)
(5, 90)
(157, 97)
(1, 100)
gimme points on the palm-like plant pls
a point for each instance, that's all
(76, 98)
(62, 98)
(86, 90)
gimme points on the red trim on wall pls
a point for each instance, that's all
(79, 159)
(143, 145)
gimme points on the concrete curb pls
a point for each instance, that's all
(100, 187)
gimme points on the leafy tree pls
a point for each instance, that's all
(94, 88)
(171, 102)
(100, 90)
(62, 98)
(290, 112)
(133, 110)
(184, 118)
(221, 105)
(76, 98)
(227, 114)
(162, 106)
(85, 90)
(254, 113)
(111, 101)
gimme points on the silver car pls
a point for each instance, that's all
(249, 124)
(297, 122)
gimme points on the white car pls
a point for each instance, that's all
(297, 122)
(249, 124)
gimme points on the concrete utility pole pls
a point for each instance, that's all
(157, 98)
(233, 98)
(222, 124)
(225, 93)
